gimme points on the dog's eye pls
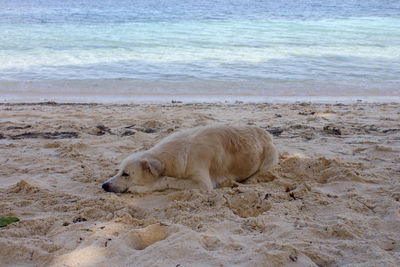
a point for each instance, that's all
(125, 174)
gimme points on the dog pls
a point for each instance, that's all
(207, 157)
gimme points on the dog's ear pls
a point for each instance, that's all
(153, 166)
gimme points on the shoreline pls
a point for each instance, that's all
(194, 99)
(126, 91)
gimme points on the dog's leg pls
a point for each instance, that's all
(271, 157)
(166, 182)
(204, 181)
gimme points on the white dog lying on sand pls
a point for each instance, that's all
(208, 156)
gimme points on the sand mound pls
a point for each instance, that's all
(321, 170)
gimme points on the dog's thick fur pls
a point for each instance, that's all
(209, 156)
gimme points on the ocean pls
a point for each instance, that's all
(127, 51)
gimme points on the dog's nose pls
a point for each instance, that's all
(106, 187)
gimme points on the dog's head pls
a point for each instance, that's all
(134, 171)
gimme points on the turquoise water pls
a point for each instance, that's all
(264, 47)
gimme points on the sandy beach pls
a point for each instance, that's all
(333, 200)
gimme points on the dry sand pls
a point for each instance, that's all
(341, 162)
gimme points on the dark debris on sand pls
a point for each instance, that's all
(127, 133)
(18, 127)
(45, 135)
(101, 130)
(275, 131)
(142, 129)
(329, 129)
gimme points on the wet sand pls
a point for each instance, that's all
(332, 201)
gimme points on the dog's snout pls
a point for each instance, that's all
(106, 187)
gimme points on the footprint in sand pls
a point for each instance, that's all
(142, 238)
(247, 204)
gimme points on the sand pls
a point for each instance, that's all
(332, 201)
